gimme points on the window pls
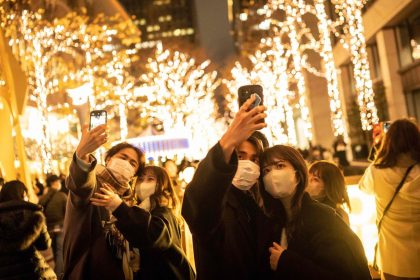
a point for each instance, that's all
(408, 40)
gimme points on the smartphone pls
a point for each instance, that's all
(385, 126)
(379, 129)
(97, 117)
(245, 92)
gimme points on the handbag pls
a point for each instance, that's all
(375, 265)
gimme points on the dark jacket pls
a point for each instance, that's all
(157, 235)
(223, 221)
(22, 233)
(54, 203)
(86, 252)
(323, 247)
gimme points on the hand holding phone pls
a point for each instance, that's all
(97, 118)
(92, 136)
(245, 92)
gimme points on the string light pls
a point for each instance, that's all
(40, 45)
(180, 93)
(330, 71)
(350, 18)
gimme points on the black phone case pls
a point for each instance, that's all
(245, 92)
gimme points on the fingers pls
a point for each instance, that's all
(101, 196)
(247, 103)
(98, 202)
(277, 246)
(107, 188)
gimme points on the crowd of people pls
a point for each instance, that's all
(255, 212)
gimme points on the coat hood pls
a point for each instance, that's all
(20, 225)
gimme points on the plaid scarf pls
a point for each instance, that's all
(105, 176)
(117, 243)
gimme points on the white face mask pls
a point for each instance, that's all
(121, 169)
(280, 183)
(145, 190)
(247, 175)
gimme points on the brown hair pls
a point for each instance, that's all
(403, 137)
(13, 190)
(165, 193)
(124, 145)
(274, 206)
(334, 184)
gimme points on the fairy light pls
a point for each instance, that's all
(337, 117)
(350, 16)
(37, 44)
(180, 93)
(270, 71)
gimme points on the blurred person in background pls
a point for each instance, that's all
(340, 152)
(23, 232)
(54, 204)
(306, 239)
(39, 187)
(172, 169)
(93, 246)
(152, 227)
(326, 185)
(397, 165)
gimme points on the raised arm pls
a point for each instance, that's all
(204, 197)
(81, 180)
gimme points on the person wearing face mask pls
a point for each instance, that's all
(93, 247)
(221, 202)
(306, 239)
(152, 227)
(326, 185)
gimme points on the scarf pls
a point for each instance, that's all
(116, 242)
(105, 176)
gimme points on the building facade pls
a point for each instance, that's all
(392, 31)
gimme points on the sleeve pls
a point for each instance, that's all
(205, 196)
(81, 183)
(142, 229)
(366, 183)
(43, 242)
(335, 259)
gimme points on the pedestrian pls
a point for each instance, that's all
(326, 184)
(93, 246)
(153, 227)
(220, 203)
(306, 240)
(394, 179)
(54, 205)
(23, 232)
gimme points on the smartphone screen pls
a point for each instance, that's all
(97, 117)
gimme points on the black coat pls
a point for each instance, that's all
(323, 247)
(22, 233)
(223, 221)
(157, 235)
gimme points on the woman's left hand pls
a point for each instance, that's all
(276, 250)
(107, 199)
